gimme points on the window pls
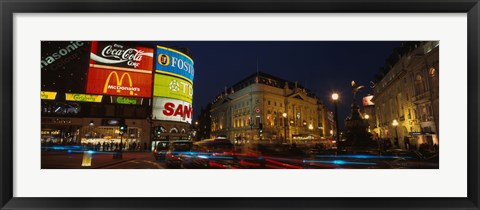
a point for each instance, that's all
(432, 72)
(174, 130)
(419, 85)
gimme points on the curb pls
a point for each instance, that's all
(112, 164)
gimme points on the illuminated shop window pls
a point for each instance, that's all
(432, 72)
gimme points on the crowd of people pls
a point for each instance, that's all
(100, 146)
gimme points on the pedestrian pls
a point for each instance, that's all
(103, 147)
(145, 146)
(407, 143)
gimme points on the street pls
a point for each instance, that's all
(241, 157)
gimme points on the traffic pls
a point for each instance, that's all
(221, 153)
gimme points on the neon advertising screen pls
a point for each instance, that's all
(120, 69)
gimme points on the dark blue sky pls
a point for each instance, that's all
(321, 66)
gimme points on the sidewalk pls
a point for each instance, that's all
(65, 160)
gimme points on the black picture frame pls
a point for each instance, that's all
(10, 7)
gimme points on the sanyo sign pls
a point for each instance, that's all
(172, 110)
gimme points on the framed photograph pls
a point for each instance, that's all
(239, 105)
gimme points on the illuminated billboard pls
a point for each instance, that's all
(367, 101)
(121, 83)
(172, 110)
(170, 61)
(121, 56)
(173, 87)
(120, 69)
(46, 95)
(125, 100)
(83, 97)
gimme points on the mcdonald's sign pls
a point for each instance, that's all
(118, 82)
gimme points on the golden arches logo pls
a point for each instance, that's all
(163, 59)
(119, 82)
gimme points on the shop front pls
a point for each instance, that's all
(106, 136)
(60, 131)
(428, 140)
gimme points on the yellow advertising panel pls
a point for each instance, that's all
(48, 95)
(83, 97)
(173, 87)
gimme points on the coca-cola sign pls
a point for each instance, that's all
(118, 54)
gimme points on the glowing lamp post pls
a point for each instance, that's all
(395, 124)
(310, 127)
(366, 118)
(285, 126)
(335, 98)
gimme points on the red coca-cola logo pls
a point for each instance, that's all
(121, 55)
(117, 51)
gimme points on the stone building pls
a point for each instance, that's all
(408, 94)
(253, 109)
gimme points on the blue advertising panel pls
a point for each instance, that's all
(170, 61)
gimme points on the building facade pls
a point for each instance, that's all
(263, 107)
(409, 95)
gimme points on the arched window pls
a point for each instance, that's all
(419, 84)
(275, 118)
(174, 130)
(432, 72)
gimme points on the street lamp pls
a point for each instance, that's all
(395, 124)
(285, 126)
(366, 118)
(335, 98)
(310, 127)
(152, 135)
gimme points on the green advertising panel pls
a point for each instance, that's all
(126, 100)
(172, 87)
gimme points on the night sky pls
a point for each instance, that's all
(321, 66)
